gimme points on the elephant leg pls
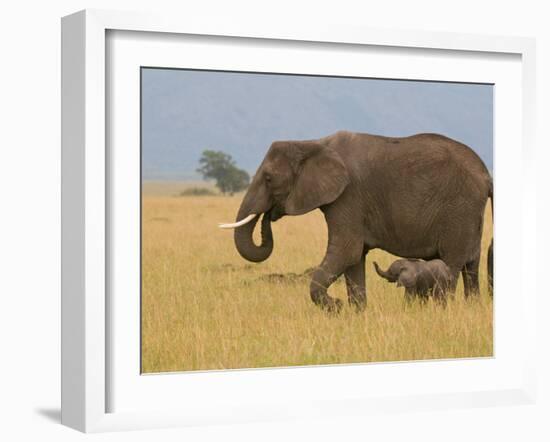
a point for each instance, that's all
(451, 284)
(440, 294)
(329, 271)
(455, 260)
(470, 275)
(410, 295)
(355, 284)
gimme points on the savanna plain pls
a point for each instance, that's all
(206, 308)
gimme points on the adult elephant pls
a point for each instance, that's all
(421, 196)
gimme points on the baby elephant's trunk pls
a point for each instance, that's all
(382, 273)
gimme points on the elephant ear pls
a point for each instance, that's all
(407, 278)
(321, 176)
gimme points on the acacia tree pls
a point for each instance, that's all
(221, 167)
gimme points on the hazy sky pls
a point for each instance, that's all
(185, 112)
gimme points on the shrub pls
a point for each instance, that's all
(197, 191)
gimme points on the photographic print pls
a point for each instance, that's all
(295, 220)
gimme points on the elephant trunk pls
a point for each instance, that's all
(382, 273)
(245, 243)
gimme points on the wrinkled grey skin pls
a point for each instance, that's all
(420, 278)
(421, 196)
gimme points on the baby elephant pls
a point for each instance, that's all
(419, 277)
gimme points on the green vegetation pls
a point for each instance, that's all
(197, 191)
(221, 167)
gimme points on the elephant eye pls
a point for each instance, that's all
(268, 178)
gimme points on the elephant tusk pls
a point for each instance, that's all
(239, 223)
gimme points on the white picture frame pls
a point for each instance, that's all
(87, 356)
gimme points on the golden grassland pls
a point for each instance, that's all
(204, 307)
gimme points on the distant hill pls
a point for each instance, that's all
(186, 112)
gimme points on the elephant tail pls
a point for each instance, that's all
(490, 251)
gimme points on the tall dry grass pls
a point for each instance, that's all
(204, 307)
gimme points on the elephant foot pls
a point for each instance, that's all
(358, 305)
(440, 301)
(440, 297)
(332, 306)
